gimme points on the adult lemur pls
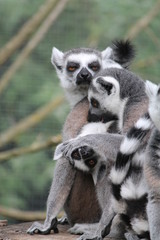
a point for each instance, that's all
(123, 94)
(76, 69)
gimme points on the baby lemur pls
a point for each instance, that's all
(76, 69)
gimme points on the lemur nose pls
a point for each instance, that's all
(84, 77)
(84, 74)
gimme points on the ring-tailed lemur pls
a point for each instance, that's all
(152, 163)
(117, 92)
(71, 182)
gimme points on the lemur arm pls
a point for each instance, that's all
(61, 185)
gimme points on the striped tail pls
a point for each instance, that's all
(128, 148)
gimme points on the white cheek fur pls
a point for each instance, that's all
(95, 128)
(79, 164)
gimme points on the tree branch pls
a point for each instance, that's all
(26, 30)
(22, 215)
(144, 21)
(29, 121)
(34, 147)
(39, 35)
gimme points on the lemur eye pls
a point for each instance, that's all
(75, 155)
(94, 103)
(91, 163)
(71, 69)
(72, 66)
(94, 66)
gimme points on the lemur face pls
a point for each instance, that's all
(84, 158)
(81, 68)
(104, 99)
(76, 68)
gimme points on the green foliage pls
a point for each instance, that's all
(25, 181)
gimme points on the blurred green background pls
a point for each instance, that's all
(25, 180)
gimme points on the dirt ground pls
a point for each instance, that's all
(18, 232)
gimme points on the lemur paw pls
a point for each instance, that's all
(43, 228)
(77, 229)
(89, 237)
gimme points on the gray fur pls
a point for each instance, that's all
(81, 50)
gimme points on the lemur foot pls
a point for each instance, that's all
(43, 228)
(81, 228)
(89, 237)
(75, 230)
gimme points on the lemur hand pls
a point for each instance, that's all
(45, 228)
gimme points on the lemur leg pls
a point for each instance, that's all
(99, 233)
(117, 228)
(103, 227)
(62, 182)
(153, 210)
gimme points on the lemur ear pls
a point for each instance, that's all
(151, 89)
(58, 153)
(57, 58)
(107, 53)
(107, 86)
(123, 52)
